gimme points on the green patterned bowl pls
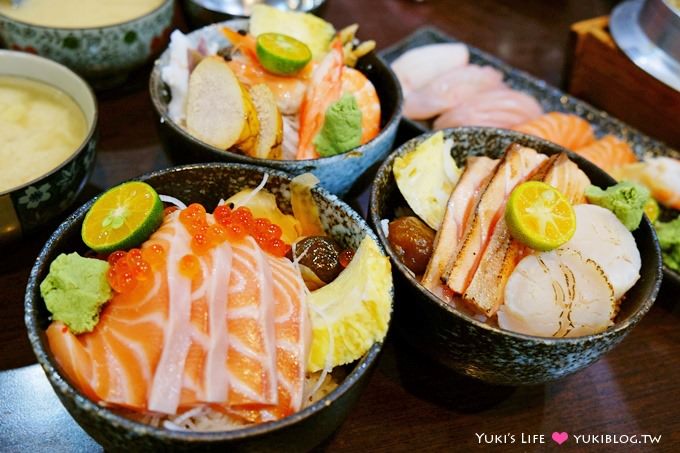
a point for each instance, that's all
(105, 55)
(25, 208)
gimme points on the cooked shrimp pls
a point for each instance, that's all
(355, 83)
(288, 90)
(325, 88)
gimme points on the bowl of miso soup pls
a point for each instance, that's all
(48, 125)
(102, 40)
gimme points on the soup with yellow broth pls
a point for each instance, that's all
(40, 127)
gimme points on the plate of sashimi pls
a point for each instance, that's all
(242, 309)
(518, 239)
(467, 87)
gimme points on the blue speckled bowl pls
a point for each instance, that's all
(103, 55)
(477, 349)
(206, 184)
(338, 173)
(25, 208)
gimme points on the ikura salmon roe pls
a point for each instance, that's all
(222, 214)
(345, 257)
(189, 266)
(154, 255)
(169, 210)
(126, 269)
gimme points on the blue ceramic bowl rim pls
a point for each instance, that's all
(155, 79)
(582, 163)
(92, 128)
(81, 29)
(51, 369)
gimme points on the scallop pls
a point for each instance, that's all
(558, 294)
(602, 238)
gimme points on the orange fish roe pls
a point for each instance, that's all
(189, 266)
(126, 269)
(154, 255)
(345, 257)
(169, 210)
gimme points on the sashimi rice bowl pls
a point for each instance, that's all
(283, 89)
(521, 262)
(210, 303)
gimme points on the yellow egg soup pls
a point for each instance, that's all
(40, 127)
(77, 13)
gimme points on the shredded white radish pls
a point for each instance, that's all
(254, 192)
(327, 368)
(385, 225)
(172, 201)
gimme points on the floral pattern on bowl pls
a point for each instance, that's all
(103, 55)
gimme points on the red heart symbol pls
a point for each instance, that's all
(560, 438)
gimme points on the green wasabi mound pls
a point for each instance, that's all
(669, 240)
(626, 200)
(75, 290)
(341, 129)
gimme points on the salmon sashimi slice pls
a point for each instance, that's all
(516, 166)
(486, 290)
(608, 153)
(463, 197)
(566, 177)
(566, 130)
(293, 338)
(235, 335)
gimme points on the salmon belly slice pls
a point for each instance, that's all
(235, 336)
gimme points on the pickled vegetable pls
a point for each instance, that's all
(412, 241)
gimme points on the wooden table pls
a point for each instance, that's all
(411, 404)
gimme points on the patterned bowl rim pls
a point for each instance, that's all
(144, 16)
(106, 414)
(617, 328)
(92, 126)
(161, 108)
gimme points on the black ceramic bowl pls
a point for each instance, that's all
(477, 349)
(29, 206)
(206, 184)
(337, 173)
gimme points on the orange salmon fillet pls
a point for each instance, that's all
(566, 130)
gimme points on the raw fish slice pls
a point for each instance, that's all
(251, 355)
(495, 108)
(566, 130)
(517, 165)
(608, 153)
(449, 89)
(601, 237)
(293, 337)
(460, 203)
(661, 175)
(485, 292)
(566, 177)
(416, 67)
(558, 293)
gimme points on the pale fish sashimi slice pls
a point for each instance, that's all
(494, 108)
(251, 355)
(518, 164)
(558, 293)
(293, 337)
(449, 89)
(601, 237)
(462, 199)
(485, 292)
(416, 67)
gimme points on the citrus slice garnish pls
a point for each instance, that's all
(539, 216)
(282, 54)
(122, 217)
